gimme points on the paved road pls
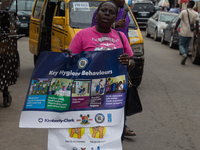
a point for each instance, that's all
(169, 93)
(171, 100)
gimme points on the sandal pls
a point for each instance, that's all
(129, 132)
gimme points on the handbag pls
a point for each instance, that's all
(133, 104)
(191, 25)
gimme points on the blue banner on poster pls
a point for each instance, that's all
(87, 82)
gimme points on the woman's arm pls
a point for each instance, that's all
(127, 58)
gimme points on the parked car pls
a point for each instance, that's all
(157, 23)
(24, 10)
(142, 11)
(54, 24)
(168, 34)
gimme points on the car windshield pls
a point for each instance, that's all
(81, 13)
(166, 17)
(23, 5)
(143, 7)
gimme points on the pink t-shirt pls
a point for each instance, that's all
(91, 40)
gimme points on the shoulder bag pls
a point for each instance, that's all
(133, 104)
(191, 25)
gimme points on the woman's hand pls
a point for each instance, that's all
(124, 59)
(66, 50)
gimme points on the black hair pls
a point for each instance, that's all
(177, 5)
(192, 3)
(116, 7)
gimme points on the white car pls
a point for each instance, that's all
(157, 23)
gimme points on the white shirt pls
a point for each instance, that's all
(185, 26)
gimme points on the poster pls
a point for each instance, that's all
(93, 138)
(87, 90)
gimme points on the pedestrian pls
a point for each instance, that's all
(175, 10)
(86, 39)
(119, 25)
(185, 32)
(167, 9)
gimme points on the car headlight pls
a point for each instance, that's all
(138, 49)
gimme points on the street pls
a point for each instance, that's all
(169, 93)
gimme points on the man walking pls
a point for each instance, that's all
(185, 33)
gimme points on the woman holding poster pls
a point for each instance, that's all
(102, 37)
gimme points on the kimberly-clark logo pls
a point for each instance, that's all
(40, 120)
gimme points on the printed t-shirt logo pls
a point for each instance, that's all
(82, 62)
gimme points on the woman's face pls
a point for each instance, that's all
(106, 15)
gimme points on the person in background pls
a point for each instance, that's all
(164, 8)
(167, 9)
(175, 10)
(185, 33)
(120, 24)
